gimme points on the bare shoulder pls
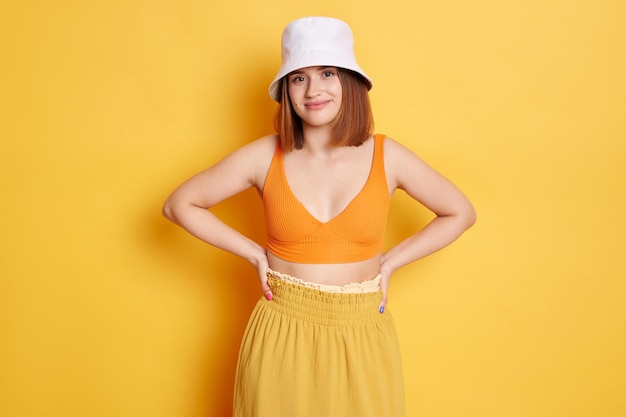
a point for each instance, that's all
(254, 158)
(263, 144)
(395, 149)
(260, 148)
(401, 163)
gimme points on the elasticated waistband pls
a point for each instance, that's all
(372, 285)
(322, 307)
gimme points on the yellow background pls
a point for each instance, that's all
(109, 310)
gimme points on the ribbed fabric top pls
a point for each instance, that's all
(354, 235)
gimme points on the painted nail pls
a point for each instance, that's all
(381, 310)
(268, 296)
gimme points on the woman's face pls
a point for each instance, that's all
(315, 94)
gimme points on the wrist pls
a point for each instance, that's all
(257, 256)
(387, 267)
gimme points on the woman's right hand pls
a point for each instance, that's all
(262, 266)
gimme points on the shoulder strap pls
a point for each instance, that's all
(379, 149)
(276, 167)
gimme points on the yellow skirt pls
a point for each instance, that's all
(315, 353)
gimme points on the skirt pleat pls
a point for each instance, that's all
(311, 353)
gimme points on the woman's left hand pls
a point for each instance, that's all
(384, 288)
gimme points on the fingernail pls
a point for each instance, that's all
(381, 310)
(268, 296)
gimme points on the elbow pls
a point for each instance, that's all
(168, 210)
(179, 209)
(469, 216)
(464, 215)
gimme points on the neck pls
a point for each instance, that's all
(316, 139)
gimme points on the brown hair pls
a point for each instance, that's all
(352, 126)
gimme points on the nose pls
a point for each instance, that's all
(313, 87)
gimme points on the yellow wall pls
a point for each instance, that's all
(108, 310)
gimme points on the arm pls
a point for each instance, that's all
(454, 212)
(188, 205)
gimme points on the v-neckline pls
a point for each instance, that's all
(352, 200)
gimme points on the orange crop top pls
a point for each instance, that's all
(354, 235)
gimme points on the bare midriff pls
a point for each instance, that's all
(329, 274)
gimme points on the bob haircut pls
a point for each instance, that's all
(352, 126)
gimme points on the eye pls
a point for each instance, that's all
(297, 79)
(327, 74)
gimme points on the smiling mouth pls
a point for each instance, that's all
(317, 105)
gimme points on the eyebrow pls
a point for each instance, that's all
(318, 68)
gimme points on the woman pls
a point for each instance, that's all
(320, 342)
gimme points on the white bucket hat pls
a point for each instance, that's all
(316, 41)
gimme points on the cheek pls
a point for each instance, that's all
(338, 89)
(293, 97)
(295, 90)
(297, 108)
